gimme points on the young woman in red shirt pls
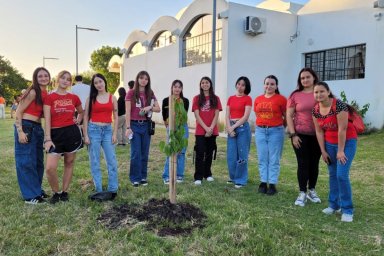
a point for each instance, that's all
(337, 138)
(62, 134)
(239, 133)
(270, 110)
(29, 137)
(100, 107)
(206, 107)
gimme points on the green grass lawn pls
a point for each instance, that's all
(240, 222)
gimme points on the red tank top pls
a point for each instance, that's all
(102, 113)
(35, 109)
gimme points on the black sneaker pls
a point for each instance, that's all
(36, 200)
(263, 188)
(271, 190)
(135, 184)
(144, 182)
(55, 198)
(114, 195)
(230, 182)
(64, 196)
(44, 195)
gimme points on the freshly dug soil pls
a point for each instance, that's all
(160, 216)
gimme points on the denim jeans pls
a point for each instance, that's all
(29, 159)
(340, 191)
(269, 145)
(101, 137)
(140, 143)
(180, 158)
(237, 154)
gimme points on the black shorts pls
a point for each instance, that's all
(67, 139)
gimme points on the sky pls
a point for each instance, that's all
(33, 29)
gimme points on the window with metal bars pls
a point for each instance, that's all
(338, 64)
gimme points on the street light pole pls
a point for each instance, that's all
(77, 45)
(48, 58)
(213, 55)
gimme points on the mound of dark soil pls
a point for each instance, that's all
(160, 216)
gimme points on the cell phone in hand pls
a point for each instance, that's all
(329, 162)
(51, 149)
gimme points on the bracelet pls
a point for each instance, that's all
(291, 135)
(46, 141)
(128, 128)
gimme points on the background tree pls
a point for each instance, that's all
(11, 81)
(99, 63)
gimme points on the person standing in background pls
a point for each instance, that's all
(81, 90)
(122, 125)
(131, 84)
(2, 107)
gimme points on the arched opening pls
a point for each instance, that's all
(137, 49)
(197, 42)
(164, 39)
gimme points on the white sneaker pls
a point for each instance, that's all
(179, 180)
(346, 217)
(210, 179)
(166, 181)
(313, 197)
(197, 182)
(301, 199)
(329, 211)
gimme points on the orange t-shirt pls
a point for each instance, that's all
(269, 111)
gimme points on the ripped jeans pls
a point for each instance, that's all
(237, 154)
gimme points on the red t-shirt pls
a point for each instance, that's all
(34, 109)
(62, 108)
(270, 111)
(102, 112)
(206, 113)
(237, 105)
(136, 106)
(303, 104)
(329, 123)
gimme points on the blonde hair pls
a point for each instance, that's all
(61, 74)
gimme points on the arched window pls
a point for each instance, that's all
(197, 42)
(137, 49)
(164, 39)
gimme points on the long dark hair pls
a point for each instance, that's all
(276, 80)
(212, 96)
(148, 91)
(93, 92)
(36, 86)
(122, 92)
(300, 86)
(247, 84)
(181, 84)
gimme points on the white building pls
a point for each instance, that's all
(342, 40)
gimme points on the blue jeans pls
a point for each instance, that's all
(101, 137)
(340, 191)
(140, 143)
(180, 158)
(237, 154)
(269, 144)
(29, 160)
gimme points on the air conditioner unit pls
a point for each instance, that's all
(255, 25)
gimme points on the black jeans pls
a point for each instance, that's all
(308, 156)
(204, 153)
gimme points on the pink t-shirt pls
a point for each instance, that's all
(136, 106)
(206, 113)
(303, 104)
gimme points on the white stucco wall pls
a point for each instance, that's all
(259, 56)
(344, 28)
